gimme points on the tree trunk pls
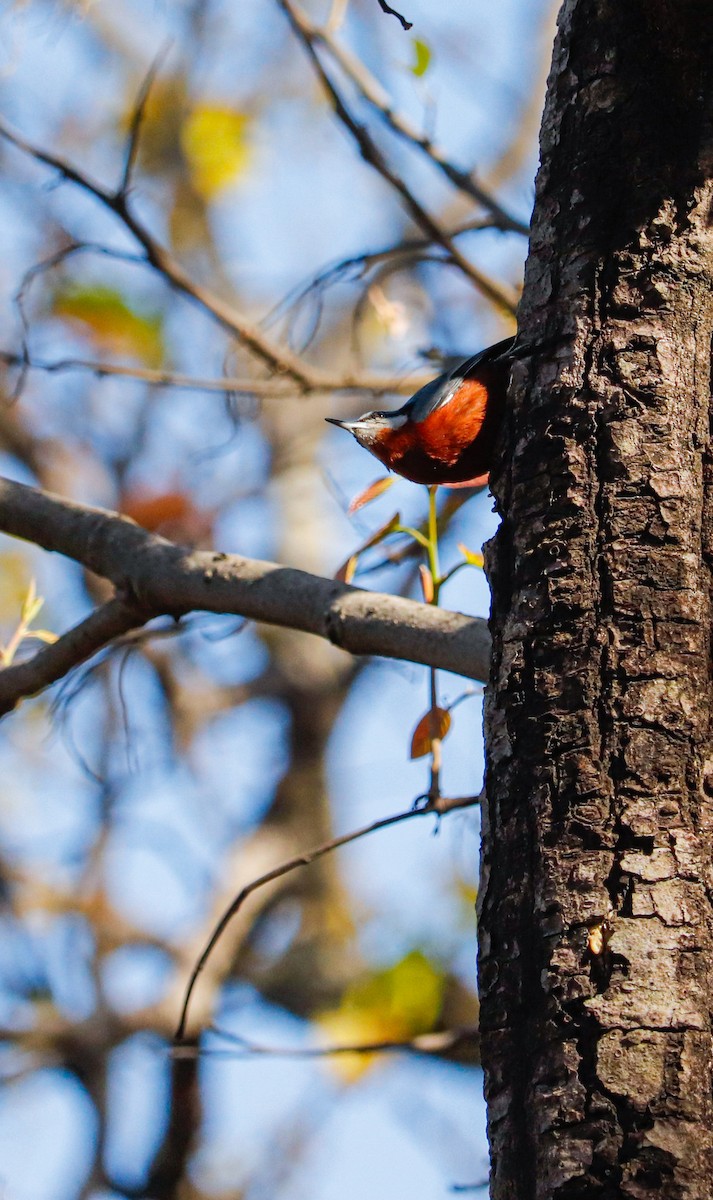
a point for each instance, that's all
(596, 926)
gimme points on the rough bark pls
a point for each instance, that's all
(597, 1038)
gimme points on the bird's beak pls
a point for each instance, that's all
(350, 425)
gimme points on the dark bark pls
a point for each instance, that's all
(597, 1042)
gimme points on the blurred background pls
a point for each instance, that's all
(140, 794)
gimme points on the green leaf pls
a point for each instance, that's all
(422, 57)
(408, 995)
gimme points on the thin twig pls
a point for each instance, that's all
(437, 807)
(137, 118)
(386, 8)
(375, 95)
(238, 385)
(157, 256)
(54, 661)
(358, 265)
(441, 1042)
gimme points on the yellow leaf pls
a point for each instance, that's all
(31, 605)
(111, 322)
(13, 584)
(421, 57)
(343, 1028)
(43, 635)
(472, 557)
(375, 489)
(215, 142)
(435, 723)
(393, 1005)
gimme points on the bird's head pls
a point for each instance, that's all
(373, 428)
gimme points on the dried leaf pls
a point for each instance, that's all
(426, 583)
(436, 720)
(154, 512)
(347, 571)
(390, 526)
(472, 557)
(374, 490)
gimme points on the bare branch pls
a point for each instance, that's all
(501, 296)
(277, 358)
(158, 578)
(386, 8)
(377, 97)
(137, 119)
(440, 1042)
(54, 661)
(435, 806)
(273, 388)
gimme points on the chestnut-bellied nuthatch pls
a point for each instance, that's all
(446, 432)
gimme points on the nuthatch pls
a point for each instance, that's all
(446, 432)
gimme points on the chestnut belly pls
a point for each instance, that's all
(471, 466)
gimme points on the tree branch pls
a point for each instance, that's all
(377, 97)
(53, 662)
(503, 297)
(279, 359)
(437, 806)
(441, 1043)
(156, 577)
(272, 388)
(386, 8)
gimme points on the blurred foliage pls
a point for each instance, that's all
(216, 143)
(111, 323)
(393, 1005)
(421, 57)
(162, 775)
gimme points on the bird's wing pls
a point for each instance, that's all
(441, 390)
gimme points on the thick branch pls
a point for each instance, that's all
(158, 577)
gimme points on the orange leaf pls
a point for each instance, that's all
(436, 721)
(374, 490)
(153, 512)
(347, 571)
(426, 583)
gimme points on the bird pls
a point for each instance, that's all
(444, 435)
